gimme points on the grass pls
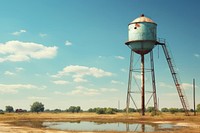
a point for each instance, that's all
(118, 117)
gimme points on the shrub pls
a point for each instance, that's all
(109, 111)
(105, 110)
(165, 110)
(74, 109)
(173, 110)
(1, 111)
(57, 110)
(100, 111)
(198, 108)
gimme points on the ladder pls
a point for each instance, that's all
(175, 76)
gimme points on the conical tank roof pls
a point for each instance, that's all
(142, 18)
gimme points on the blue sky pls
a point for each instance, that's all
(72, 52)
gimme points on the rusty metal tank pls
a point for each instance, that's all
(142, 35)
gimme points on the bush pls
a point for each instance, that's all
(173, 110)
(103, 110)
(198, 108)
(129, 110)
(74, 109)
(165, 110)
(20, 110)
(91, 110)
(47, 110)
(100, 111)
(57, 110)
(150, 109)
(1, 111)
(109, 111)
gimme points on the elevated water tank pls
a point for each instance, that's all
(142, 35)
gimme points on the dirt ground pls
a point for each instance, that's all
(8, 122)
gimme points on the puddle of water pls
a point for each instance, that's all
(93, 126)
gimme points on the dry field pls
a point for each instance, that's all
(9, 122)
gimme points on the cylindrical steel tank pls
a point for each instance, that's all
(142, 35)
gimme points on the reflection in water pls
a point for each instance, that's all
(150, 127)
(92, 126)
(143, 127)
(138, 127)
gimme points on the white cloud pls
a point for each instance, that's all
(79, 72)
(164, 85)
(16, 51)
(116, 82)
(18, 69)
(68, 43)
(13, 88)
(84, 91)
(197, 55)
(187, 86)
(81, 90)
(17, 33)
(78, 79)
(108, 90)
(37, 98)
(184, 85)
(9, 73)
(119, 57)
(42, 35)
(42, 87)
(60, 82)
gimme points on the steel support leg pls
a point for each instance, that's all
(153, 82)
(142, 85)
(129, 83)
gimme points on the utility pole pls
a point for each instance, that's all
(194, 97)
(118, 104)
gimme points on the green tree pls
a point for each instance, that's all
(132, 110)
(74, 109)
(77, 109)
(57, 110)
(91, 110)
(198, 108)
(1, 111)
(37, 107)
(181, 110)
(109, 111)
(150, 109)
(105, 111)
(164, 110)
(100, 111)
(9, 109)
(173, 110)
(71, 109)
(47, 110)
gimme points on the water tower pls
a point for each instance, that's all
(142, 38)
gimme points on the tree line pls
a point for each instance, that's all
(39, 107)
